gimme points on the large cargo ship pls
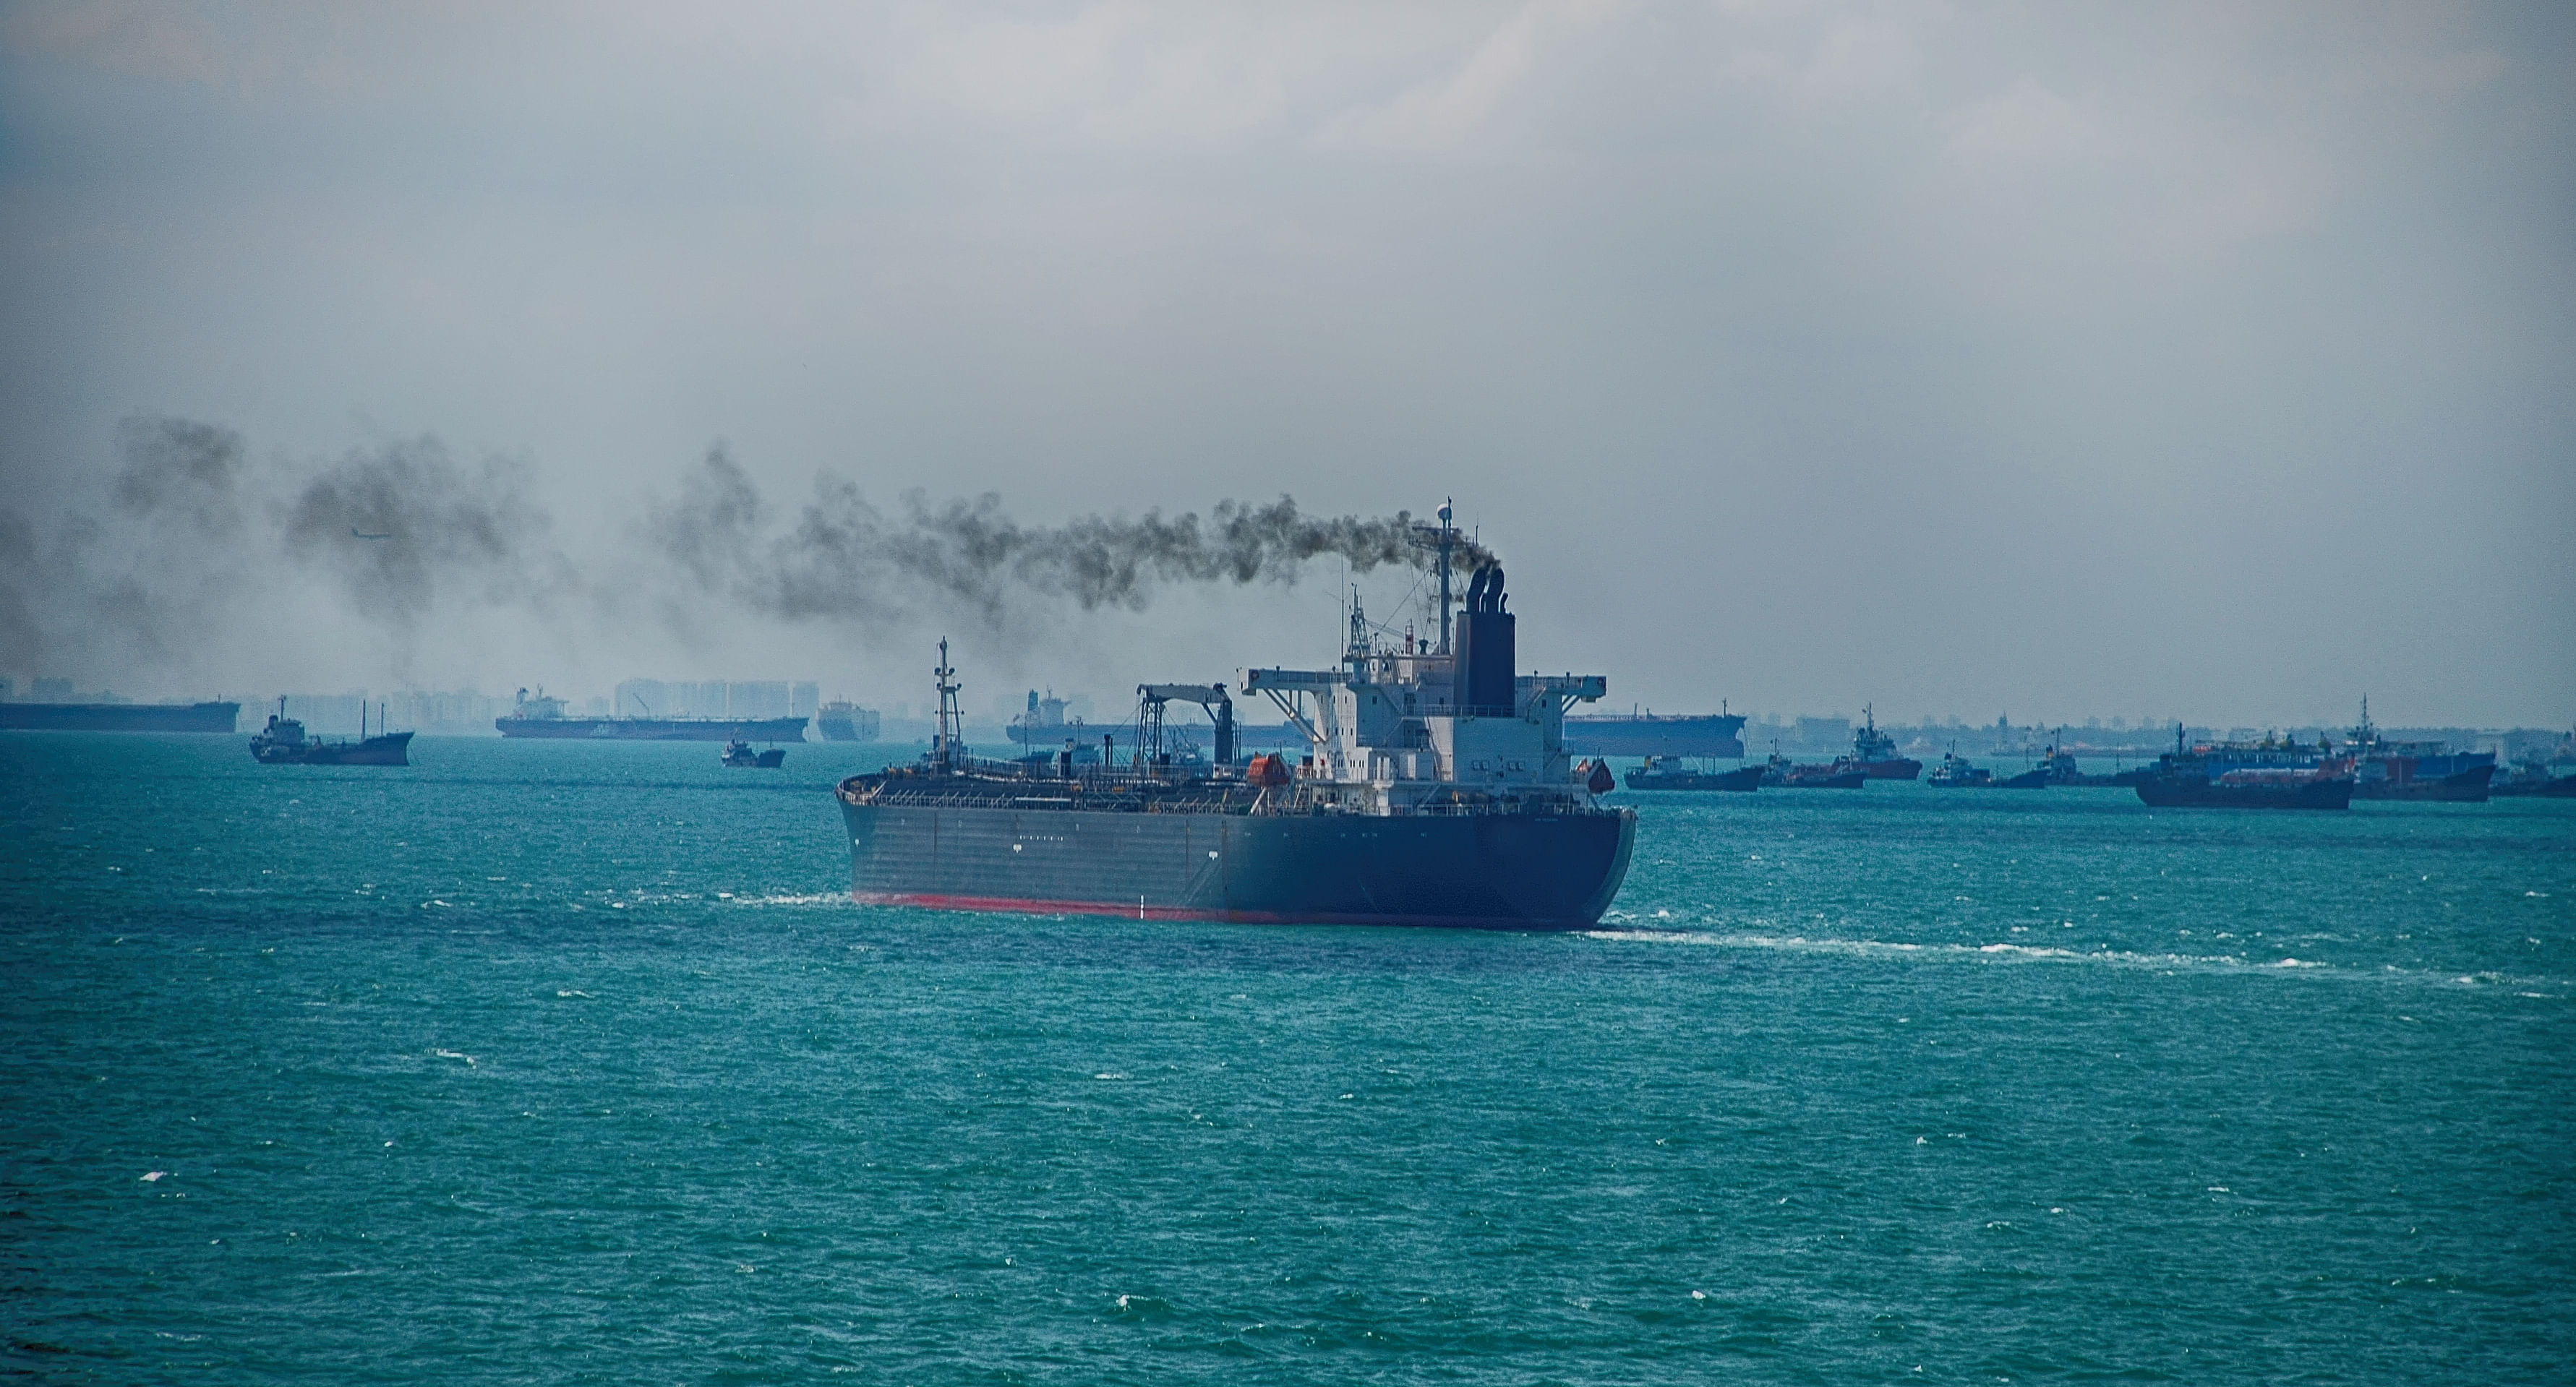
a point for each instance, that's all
(1437, 791)
(1702, 735)
(121, 717)
(540, 716)
(843, 721)
(2275, 773)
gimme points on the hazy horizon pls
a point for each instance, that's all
(2186, 362)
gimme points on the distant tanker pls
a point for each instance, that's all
(541, 716)
(121, 717)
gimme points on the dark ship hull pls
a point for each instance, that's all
(2186, 792)
(1834, 777)
(2470, 786)
(2564, 787)
(837, 729)
(1899, 768)
(656, 729)
(121, 717)
(1689, 734)
(1746, 778)
(388, 749)
(1472, 871)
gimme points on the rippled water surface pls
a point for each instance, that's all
(558, 1062)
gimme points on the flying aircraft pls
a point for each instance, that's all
(355, 532)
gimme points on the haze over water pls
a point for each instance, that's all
(544, 1061)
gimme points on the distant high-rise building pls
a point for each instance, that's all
(716, 698)
(759, 698)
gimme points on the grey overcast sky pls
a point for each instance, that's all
(2214, 361)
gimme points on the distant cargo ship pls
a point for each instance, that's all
(2269, 774)
(1684, 734)
(540, 716)
(843, 721)
(738, 753)
(1676, 773)
(2534, 782)
(283, 743)
(121, 717)
(2418, 770)
(1780, 771)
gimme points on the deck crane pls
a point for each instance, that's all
(1150, 699)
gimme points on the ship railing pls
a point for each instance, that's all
(1094, 774)
(948, 794)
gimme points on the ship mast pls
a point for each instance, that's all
(1444, 538)
(943, 752)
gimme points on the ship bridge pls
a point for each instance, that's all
(1396, 730)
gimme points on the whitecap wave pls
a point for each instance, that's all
(1879, 948)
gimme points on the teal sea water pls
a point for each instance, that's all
(569, 1063)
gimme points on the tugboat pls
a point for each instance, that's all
(1675, 773)
(1874, 752)
(283, 743)
(1955, 773)
(739, 753)
(2275, 773)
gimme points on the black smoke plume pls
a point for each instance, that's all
(840, 558)
(196, 558)
(405, 526)
(196, 547)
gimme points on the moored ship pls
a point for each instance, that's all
(541, 716)
(1438, 791)
(1677, 773)
(1958, 773)
(738, 753)
(1786, 774)
(2417, 770)
(2274, 773)
(1658, 734)
(843, 721)
(283, 743)
(1874, 752)
(120, 717)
